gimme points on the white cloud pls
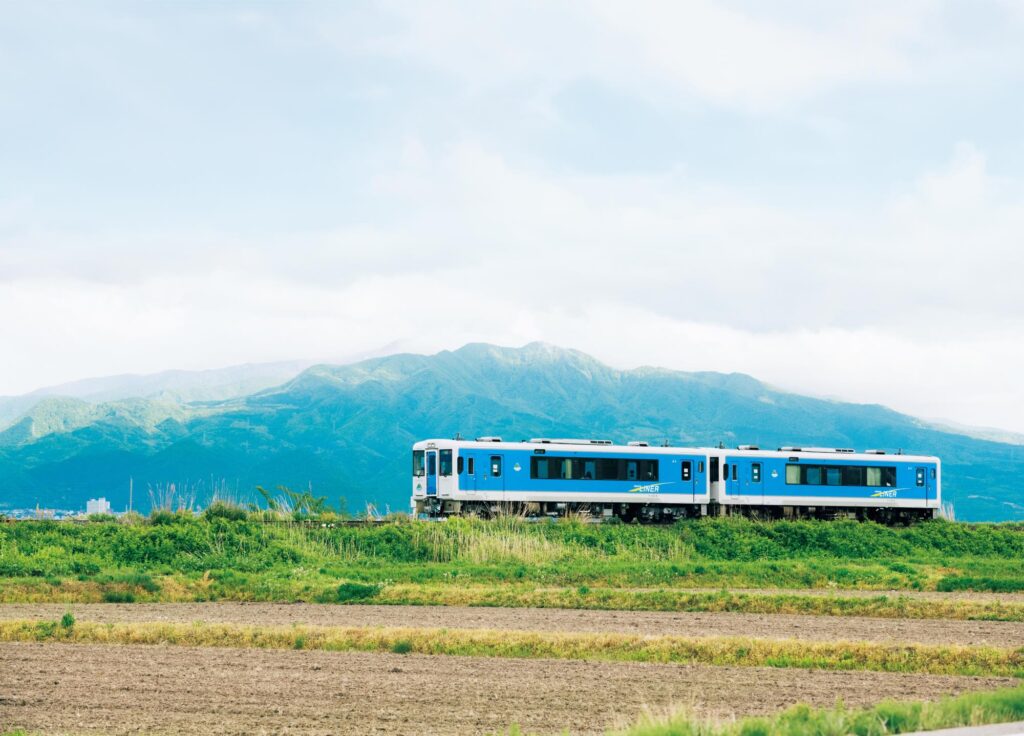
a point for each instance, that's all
(666, 51)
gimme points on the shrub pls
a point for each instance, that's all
(348, 592)
(225, 510)
(67, 621)
(118, 596)
(402, 646)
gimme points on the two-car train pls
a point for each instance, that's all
(553, 477)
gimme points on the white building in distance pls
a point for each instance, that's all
(97, 506)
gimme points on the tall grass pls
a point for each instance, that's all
(888, 717)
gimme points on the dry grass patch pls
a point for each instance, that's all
(910, 658)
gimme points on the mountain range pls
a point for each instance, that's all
(346, 430)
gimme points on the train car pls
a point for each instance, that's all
(558, 476)
(825, 482)
(635, 481)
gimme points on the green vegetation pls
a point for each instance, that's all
(740, 652)
(511, 562)
(889, 717)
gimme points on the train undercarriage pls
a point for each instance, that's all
(654, 513)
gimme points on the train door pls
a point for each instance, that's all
(496, 471)
(687, 473)
(470, 482)
(716, 492)
(753, 481)
(431, 472)
(921, 479)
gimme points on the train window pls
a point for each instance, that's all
(700, 466)
(734, 466)
(460, 464)
(920, 476)
(725, 471)
(755, 473)
(471, 471)
(933, 473)
(431, 463)
(687, 467)
(874, 476)
(417, 463)
(496, 466)
(648, 469)
(812, 475)
(833, 476)
(446, 462)
(792, 475)
(589, 469)
(631, 469)
(714, 470)
(853, 475)
(606, 469)
(539, 468)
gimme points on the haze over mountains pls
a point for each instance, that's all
(346, 430)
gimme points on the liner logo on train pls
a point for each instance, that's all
(636, 481)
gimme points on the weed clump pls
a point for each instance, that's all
(402, 646)
(349, 592)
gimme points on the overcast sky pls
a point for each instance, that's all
(829, 197)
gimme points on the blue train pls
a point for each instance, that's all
(552, 477)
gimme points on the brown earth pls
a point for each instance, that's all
(77, 688)
(770, 626)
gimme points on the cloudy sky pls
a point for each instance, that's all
(828, 197)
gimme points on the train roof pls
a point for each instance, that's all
(642, 448)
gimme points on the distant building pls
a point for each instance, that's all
(97, 506)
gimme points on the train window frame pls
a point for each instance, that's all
(419, 463)
(755, 472)
(460, 465)
(735, 472)
(793, 476)
(470, 466)
(919, 477)
(495, 466)
(686, 470)
(444, 462)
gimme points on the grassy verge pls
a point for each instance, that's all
(913, 658)
(511, 562)
(889, 717)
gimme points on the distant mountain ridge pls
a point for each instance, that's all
(176, 386)
(346, 430)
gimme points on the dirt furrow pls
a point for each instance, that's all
(59, 688)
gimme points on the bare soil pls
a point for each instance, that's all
(771, 626)
(69, 688)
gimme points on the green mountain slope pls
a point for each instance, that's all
(175, 386)
(347, 430)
